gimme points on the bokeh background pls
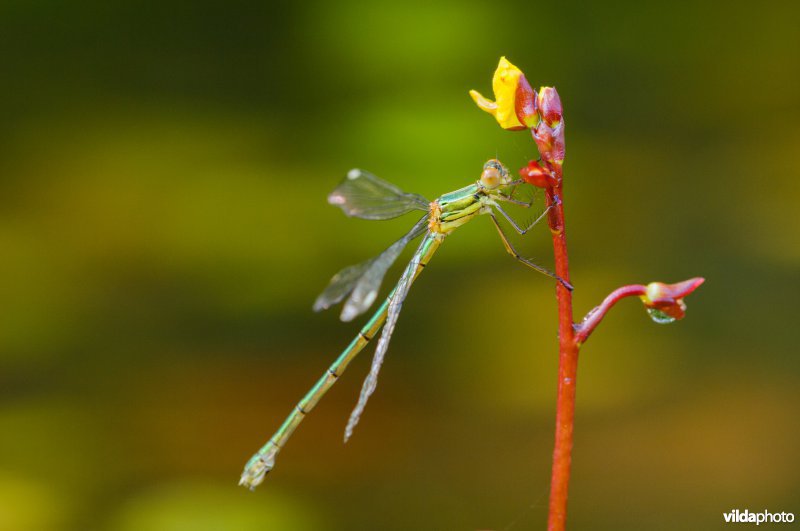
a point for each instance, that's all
(164, 231)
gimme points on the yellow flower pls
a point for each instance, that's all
(515, 105)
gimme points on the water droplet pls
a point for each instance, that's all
(660, 317)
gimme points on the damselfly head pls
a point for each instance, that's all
(494, 174)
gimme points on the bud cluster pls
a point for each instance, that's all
(518, 106)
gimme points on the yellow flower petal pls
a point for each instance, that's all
(504, 84)
(483, 103)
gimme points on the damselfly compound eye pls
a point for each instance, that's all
(494, 174)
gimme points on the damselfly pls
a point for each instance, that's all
(365, 196)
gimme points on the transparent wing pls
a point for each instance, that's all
(362, 195)
(341, 285)
(396, 304)
(365, 290)
(362, 281)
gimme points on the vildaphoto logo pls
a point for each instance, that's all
(746, 517)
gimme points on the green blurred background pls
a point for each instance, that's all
(164, 231)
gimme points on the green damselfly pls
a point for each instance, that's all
(365, 196)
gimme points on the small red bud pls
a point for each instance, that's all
(535, 174)
(665, 303)
(543, 136)
(550, 106)
(550, 142)
(525, 103)
(658, 291)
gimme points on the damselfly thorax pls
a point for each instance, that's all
(455, 209)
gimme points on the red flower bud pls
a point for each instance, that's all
(549, 134)
(550, 106)
(536, 174)
(664, 302)
(525, 103)
(550, 142)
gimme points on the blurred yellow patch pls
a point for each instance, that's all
(30, 505)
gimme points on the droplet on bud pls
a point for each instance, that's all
(660, 317)
(664, 302)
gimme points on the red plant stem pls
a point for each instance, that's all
(570, 339)
(567, 368)
(593, 318)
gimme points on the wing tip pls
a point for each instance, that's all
(336, 198)
(348, 313)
